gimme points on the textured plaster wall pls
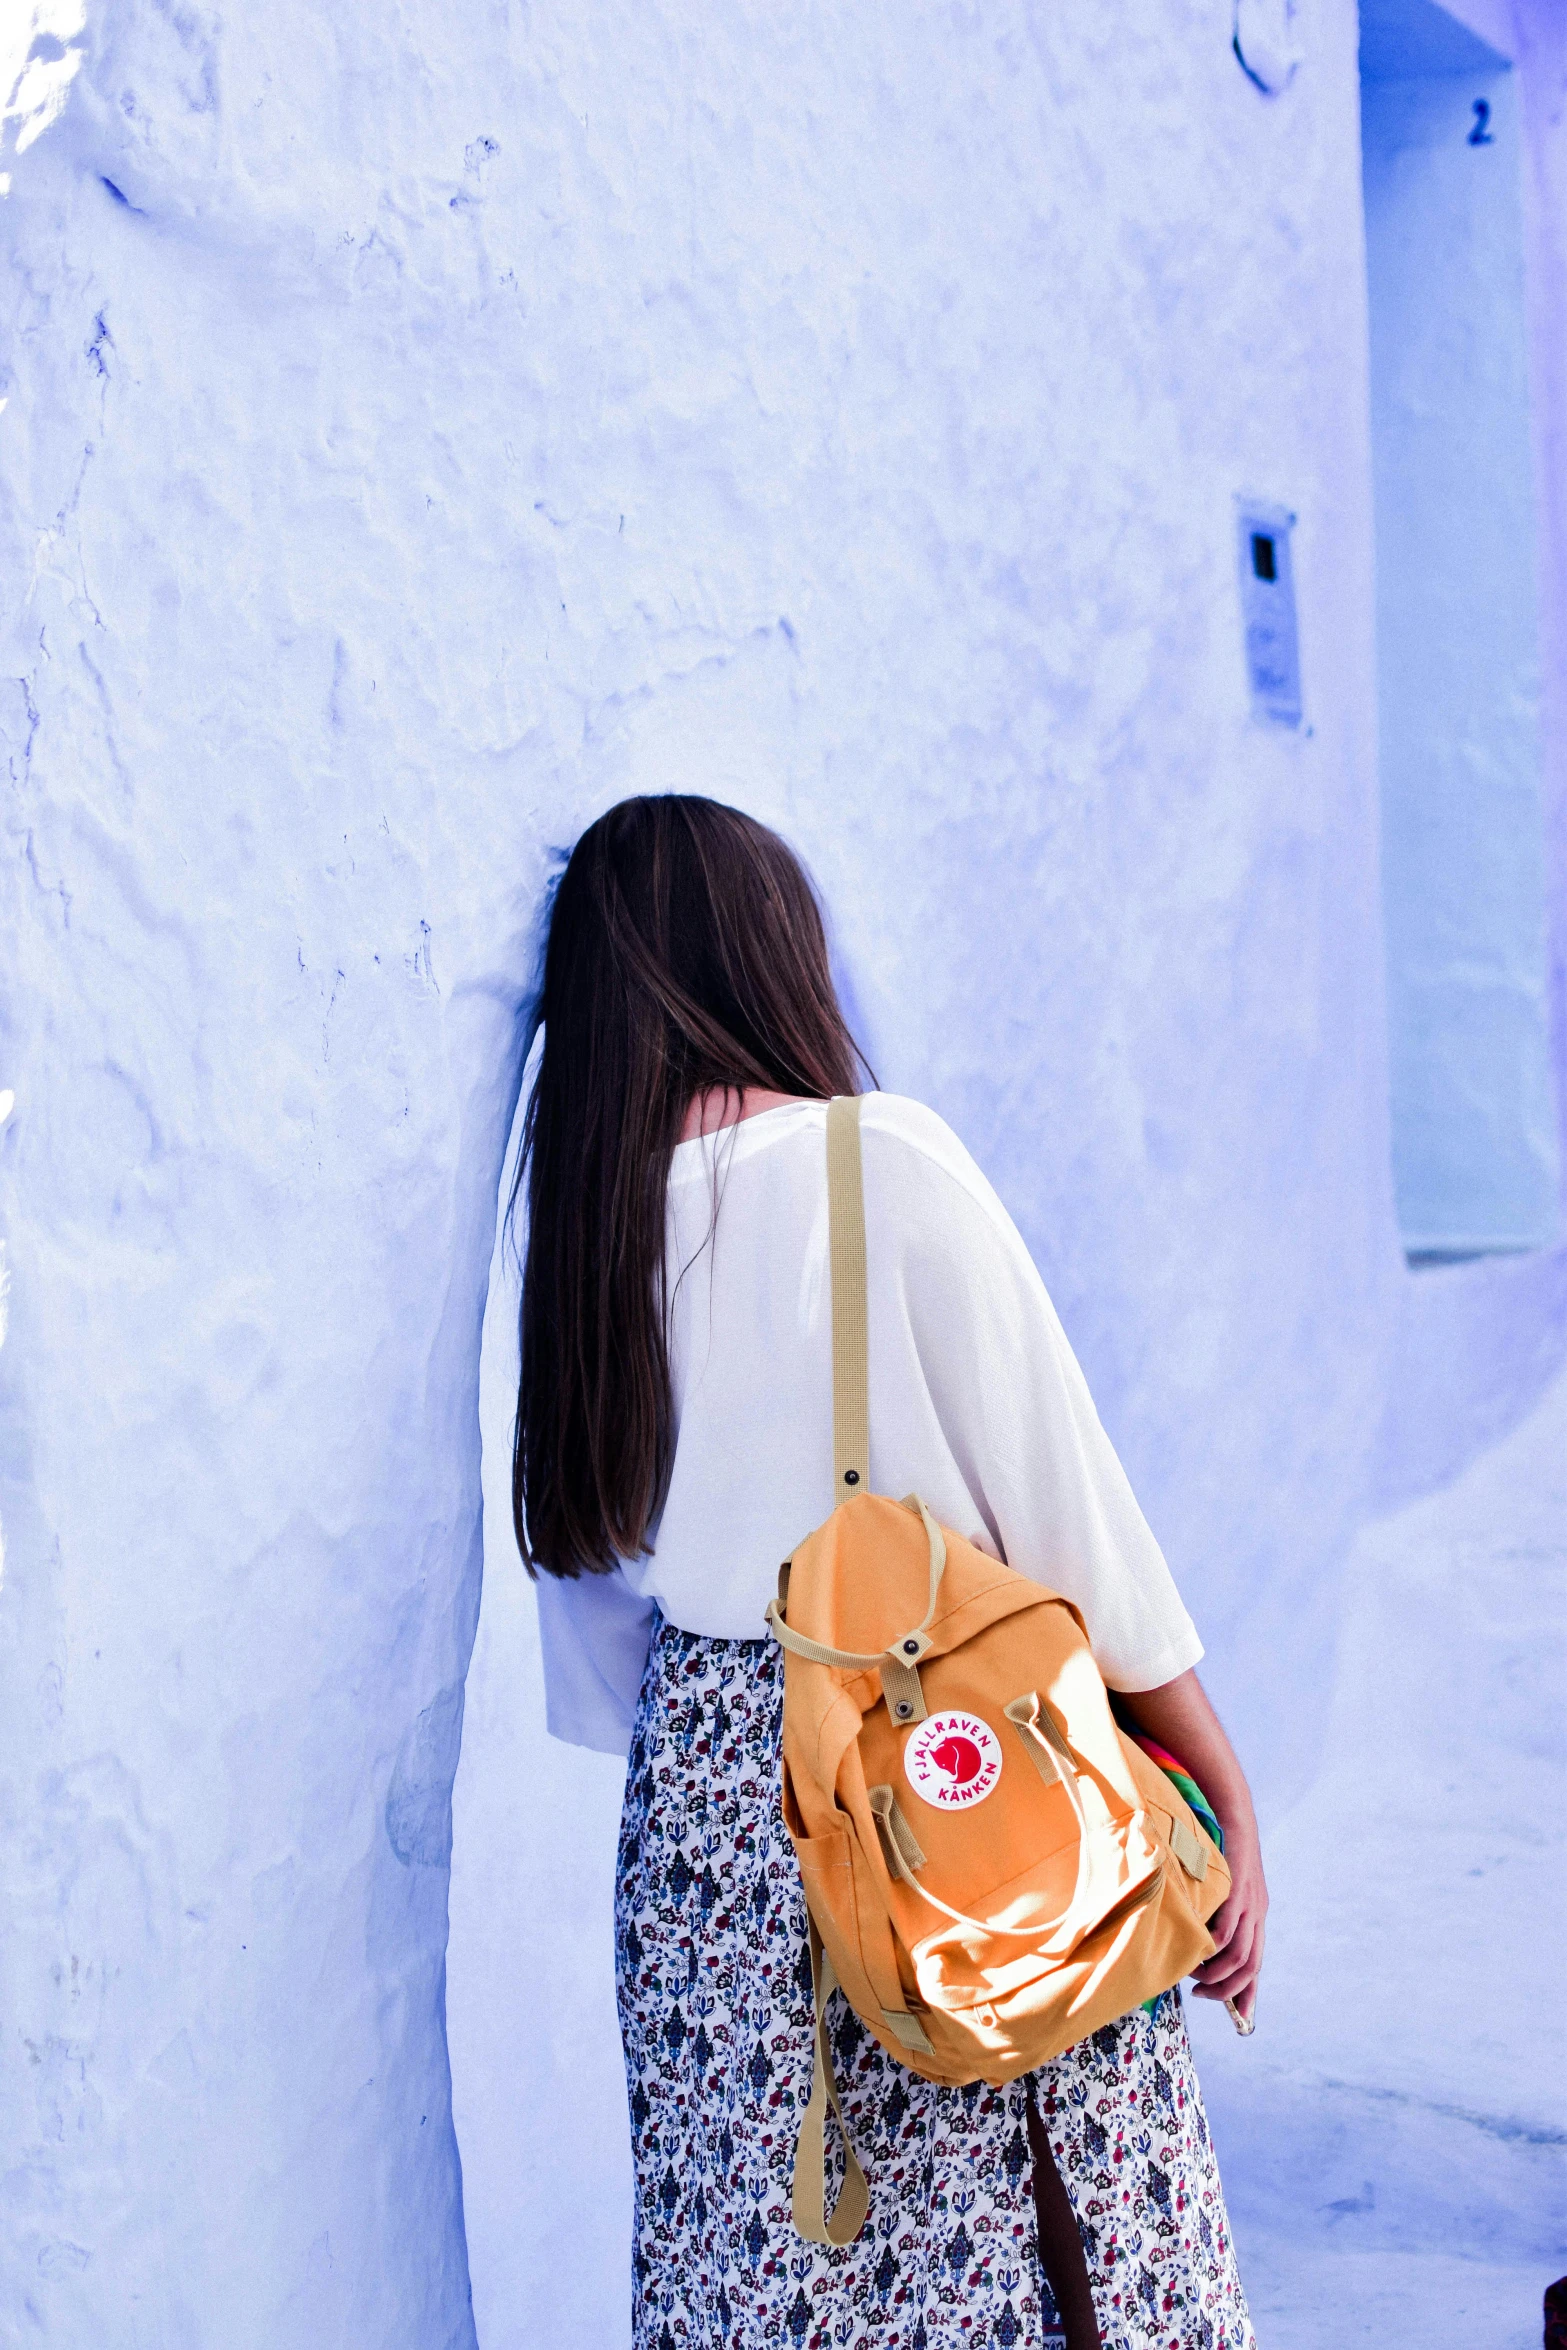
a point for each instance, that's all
(422, 427)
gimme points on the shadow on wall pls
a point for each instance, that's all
(1476, 1155)
(1476, 1114)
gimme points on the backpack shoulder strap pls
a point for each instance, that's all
(851, 1411)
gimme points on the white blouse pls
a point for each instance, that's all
(977, 1404)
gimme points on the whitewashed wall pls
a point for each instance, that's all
(424, 426)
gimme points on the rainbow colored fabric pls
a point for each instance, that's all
(1179, 1776)
(1176, 1771)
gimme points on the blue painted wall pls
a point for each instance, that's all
(1475, 1117)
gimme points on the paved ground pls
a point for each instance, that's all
(1305, 2300)
(1394, 2135)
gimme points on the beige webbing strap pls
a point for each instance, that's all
(851, 1410)
(811, 2217)
(1189, 1848)
(893, 1828)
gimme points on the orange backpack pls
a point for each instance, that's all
(992, 1869)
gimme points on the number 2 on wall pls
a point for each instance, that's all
(1482, 134)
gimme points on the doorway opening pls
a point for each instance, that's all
(1475, 1150)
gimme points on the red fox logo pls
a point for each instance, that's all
(952, 1760)
(959, 1758)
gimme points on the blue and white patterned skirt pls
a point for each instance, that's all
(715, 2012)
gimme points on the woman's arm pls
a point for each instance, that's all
(1180, 1717)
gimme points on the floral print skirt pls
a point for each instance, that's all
(715, 2010)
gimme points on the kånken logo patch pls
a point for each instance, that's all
(952, 1761)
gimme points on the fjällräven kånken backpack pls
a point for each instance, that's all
(992, 1869)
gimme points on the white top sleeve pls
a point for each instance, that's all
(1015, 1410)
(977, 1404)
(594, 1637)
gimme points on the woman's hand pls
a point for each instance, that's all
(1181, 1718)
(1238, 1927)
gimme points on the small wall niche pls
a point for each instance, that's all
(1474, 1129)
(1267, 574)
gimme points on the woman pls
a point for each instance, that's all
(674, 1442)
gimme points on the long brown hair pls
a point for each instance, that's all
(685, 952)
